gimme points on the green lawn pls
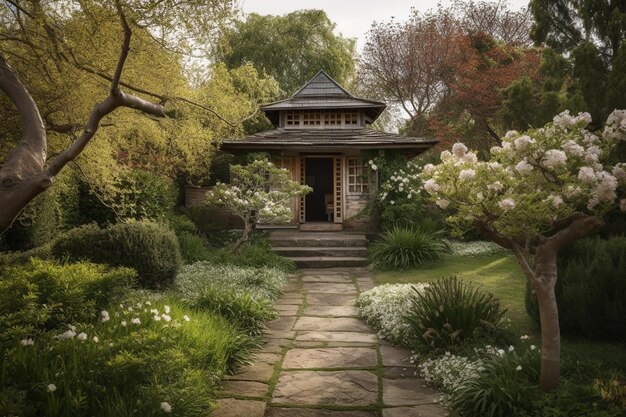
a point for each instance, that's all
(498, 274)
(502, 276)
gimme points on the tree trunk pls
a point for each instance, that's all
(244, 238)
(546, 276)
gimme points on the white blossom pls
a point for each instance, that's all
(555, 158)
(511, 134)
(431, 186)
(27, 342)
(166, 318)
(166, 407)
(506, 204)
(555, 201)
(374, 167)
(95, 339)
(587, 175)
(428, 168)
(82, 336)
(523, 167)
(123, 323)
(68, 334)
(52, 387)
(459, 150)
(443, 203)
(104, 315)
(467, 174)
(619, 172)
(136, 320)
(446, 156)
(157, 318)
(496, 186)
(166, 309)
(186, 318)
(522, 142)
(519, 368)
(571, 148)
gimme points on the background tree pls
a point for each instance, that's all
(291, 48)
(409, 64)
(582, 67)
(63, 54)
(258, 192)
(540, 191)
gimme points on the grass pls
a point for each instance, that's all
(502, 276)
(497, 274)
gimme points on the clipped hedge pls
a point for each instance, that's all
(591, 289)
(149, 248)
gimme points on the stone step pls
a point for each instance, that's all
(321, 227)
(320, 239)
(328, 261)
(317, 251)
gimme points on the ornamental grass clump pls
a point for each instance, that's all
(405, 248)
(450, 312)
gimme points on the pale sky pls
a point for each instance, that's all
(353, 17)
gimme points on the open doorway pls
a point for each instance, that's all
(319, 176)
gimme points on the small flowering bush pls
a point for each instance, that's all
(406, 248)
(382, 308)
(450, 312)
(258, 192)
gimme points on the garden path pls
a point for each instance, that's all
(320, 360)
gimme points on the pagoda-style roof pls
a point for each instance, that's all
(323, 93)
(327, 140)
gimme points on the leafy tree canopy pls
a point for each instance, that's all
(291, 48)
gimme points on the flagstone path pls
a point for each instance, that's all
(320, 360)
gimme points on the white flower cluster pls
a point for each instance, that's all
(405, 182)
(449, 371)
(383, 308)
(477, 248)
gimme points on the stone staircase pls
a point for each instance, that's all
(321, 249)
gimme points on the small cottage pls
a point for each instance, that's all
(322, 137)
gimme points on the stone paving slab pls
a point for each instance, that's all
(316, 412)
(327, 288)
(333, 311)
(283, 309)
(339, 357)
(341, 324)
(270, 358)
(334, 278)
(330, 299)
(394, 356)
(408, 391)
(337, 337)
(427, 410)
(261, 372)
(282, 323)
(231, 407)
(245, 388)
(326, 387)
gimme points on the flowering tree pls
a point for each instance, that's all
(258, 192)
(540, 191)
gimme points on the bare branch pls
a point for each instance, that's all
(493, 235)
(124, 52)
(20, 8)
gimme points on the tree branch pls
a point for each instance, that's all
(493, 235)
(582, 225)
(32, 148)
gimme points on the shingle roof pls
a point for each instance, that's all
(361, 138)
(323, 93)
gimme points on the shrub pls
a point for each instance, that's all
(18, 258)
(127, 365)
(149, 248)
(451, 311)
(43, 295)
(383, 308)
(248, 312)
(257, 254)
(405, 248)
(503, 387)
(193, 248)
(262, 283)
(181, 223)
(591, 289)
